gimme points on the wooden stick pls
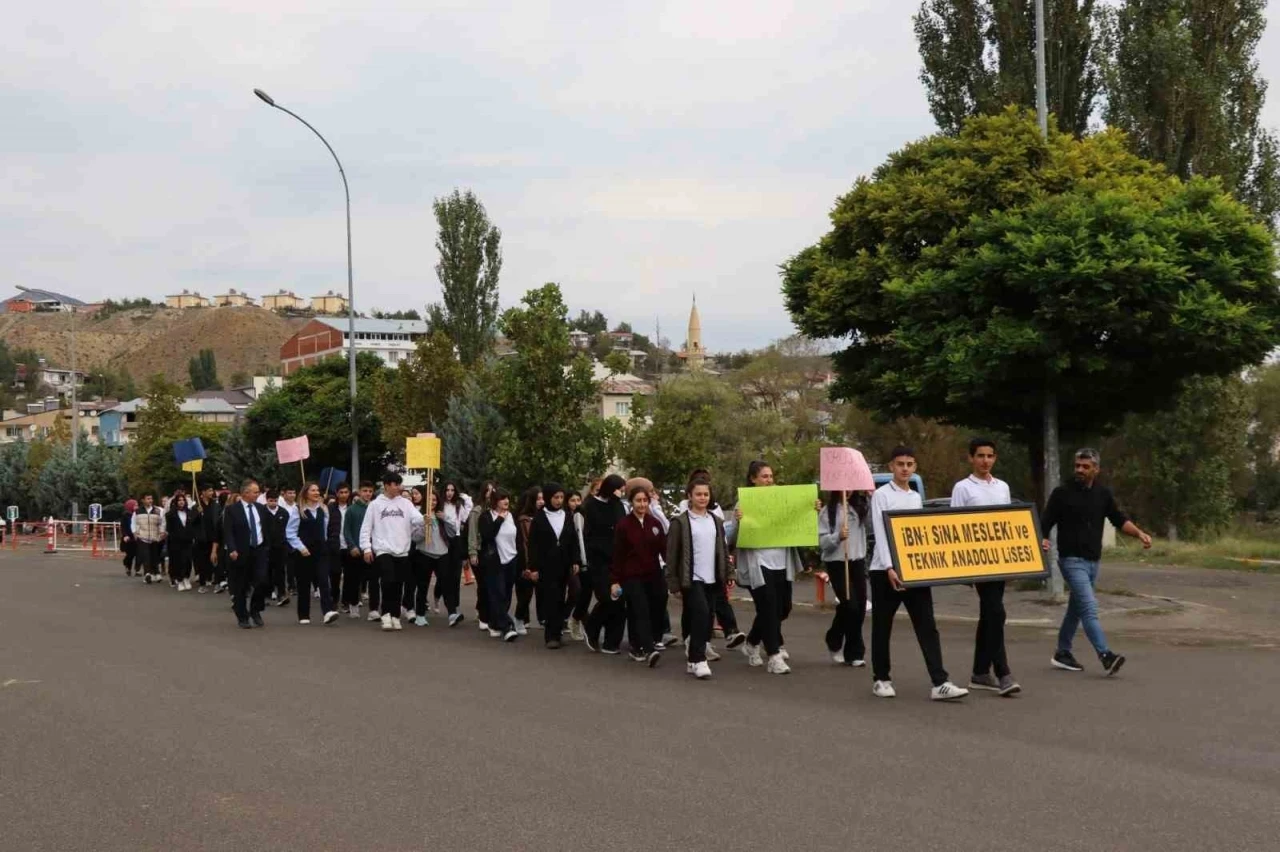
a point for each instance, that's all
(848, 592)
(302, 467)
(426, 504)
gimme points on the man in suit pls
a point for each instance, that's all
(246, 538)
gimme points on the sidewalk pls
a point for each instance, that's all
(1176, 606)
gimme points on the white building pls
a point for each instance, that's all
(323, 337)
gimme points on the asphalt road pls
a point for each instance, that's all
(135, 718)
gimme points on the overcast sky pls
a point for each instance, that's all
(634, 152)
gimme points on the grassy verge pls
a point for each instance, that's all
(1233, 551)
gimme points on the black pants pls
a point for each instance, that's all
(179, 560)
(773, 605)
(607, 615)
(988, 645)
(646, 601)
(277, 558)
(845, 633)
(551, 609)
(392, 573)
(337, 567)
(222, 569)
(147, 557)
(720, 608)
(249, 581)
(201, 556)
(498, 582)
(449, 580)
(352, 572)
(424, 567)
(699, 603)
(311, 571)
(290, 570)
(581, 603)
(130, 550)
(482, 594)
(526, 591)
(885, 601)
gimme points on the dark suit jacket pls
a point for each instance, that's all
(235, 528)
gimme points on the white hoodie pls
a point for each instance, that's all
(390, 526)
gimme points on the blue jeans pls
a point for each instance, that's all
(1080, 576)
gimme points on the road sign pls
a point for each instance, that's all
(95, 512)
(12, 513)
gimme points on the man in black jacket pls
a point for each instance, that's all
(206, 539)
(245, 537)
(277, 549)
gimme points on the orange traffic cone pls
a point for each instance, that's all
(468, 578)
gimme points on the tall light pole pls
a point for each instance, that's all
(351, 293)
(75, 408)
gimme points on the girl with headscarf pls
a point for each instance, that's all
(553, 542)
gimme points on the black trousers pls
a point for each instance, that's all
(551, 609)
(482, 594)
(607, 615)
(147, 556)
(526, 591)
(988, 645)
(499, 580)
(222, 569)
(646, 602)
(423, 568)
(248, 579)
(130, 550)
(699, 604)
(449, 580)
(337, 566)
(773, 605)
(352, 572)
(311, 571)
(277, 559)
(392, 571)
(720, 608)
(845, 633)
(179, 560)
(202, 557)
(885, 601)
(581, 601)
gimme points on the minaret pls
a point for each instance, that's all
(695, 354)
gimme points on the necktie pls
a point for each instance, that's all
(253, 526)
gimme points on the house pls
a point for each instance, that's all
(58, 379)
(285, 300)
(186, 299)
(39, 300)
(237, 398)
(261, 384)
(622, 339)
(325, 337)
(580, 339)
(41, 419)
(329, 303)
(618, 392)
(116, 424)
(232, 299)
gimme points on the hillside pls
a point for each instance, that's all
(156, 340)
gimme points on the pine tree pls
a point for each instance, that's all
(470, 434)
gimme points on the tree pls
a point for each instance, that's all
(235, 458)
(13, 476)
(148, 459)
(548, 399)
(470, 260)
(1183, 81)
(397, 315)
(414, 397)
(240, 379)
(979, 57)
(316, 402)
(617, 362)
(978, 276)
(203, 369)
(1263, 439)
(592, 323)
(471, 432)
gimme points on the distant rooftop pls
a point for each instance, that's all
(377, 326)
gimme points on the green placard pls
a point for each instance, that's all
(778, 516)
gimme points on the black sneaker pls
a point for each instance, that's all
(984, 681)
(256, 618)
(734, 640)
(637, 657)
(284, 601)
(590, 641)
(653, 658)
(1065, 660)
(1111, 662)
(245, 625)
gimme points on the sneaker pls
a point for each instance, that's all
(203, 590)
(455, 619)
(637, 657)
(857, 664)
(612, 652)
(669, 639)
(984, 681)
(1064, 660)
(701, 671)
(575, 630)
(405, 614)
(304, 621)
(510, 636)
(483, 627)
(1111, 662)
(554, 645)
(661, 646)
(837, 657)
(220, 588)
(883, 689)
(353, 612)
(778, 664)
(274, 597)
(146, 578)
(1009, 686)
(439, 607)
(734, 640)
(782, 652)
(284, 601)
(495, 634)
(420, 621)
(256, 618)
(374, 615)
(396, 624)
(947, 692)
(386, 622)
(712, 653)
(752, 653)
(590, 642)
(521, 628)
(331, 616)
(653, 658)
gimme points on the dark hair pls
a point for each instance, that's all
(550, 490)
(610, 486)
(181, 495)
(857, 501)
(634, 490)
(700, 478)
(457, 493)
(978, 443)
(272, 494)
(700, 472)
(364, 483)
(284, 488)
(498, 495)
(528, 501)
(753, 470)
(901, 450)
(422, 492)
(392, 478)
(342, 485)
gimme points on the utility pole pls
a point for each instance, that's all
(1052, 468)
(75, 408)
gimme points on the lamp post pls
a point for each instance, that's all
(351, 293)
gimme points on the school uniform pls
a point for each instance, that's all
(600, 521)
(526, 588)
(844, 637)
(308, 530)
(130, 544)
(339, 550)
(206, 536)
(639, 545)
(181, 527)
(697, 567)
(553, 543)
(430, 555)
(278, 552)
(988, 644)
(499, 561)
(244, 538)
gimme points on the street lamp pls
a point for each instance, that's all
(351, 293)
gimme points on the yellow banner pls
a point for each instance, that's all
(966, 545)
(422, 453)
(196, 466)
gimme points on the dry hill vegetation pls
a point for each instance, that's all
(152, 340)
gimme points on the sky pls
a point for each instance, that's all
(637, 153)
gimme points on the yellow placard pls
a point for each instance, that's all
(422, 453)
(966, 545)
(194, 466)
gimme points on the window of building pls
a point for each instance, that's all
(622, 409)
(393, 357)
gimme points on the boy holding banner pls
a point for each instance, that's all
(888, 593)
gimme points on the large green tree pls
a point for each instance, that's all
(148, 459)
(203, 371)
(470, 249)
(1183, 81)
(414, 397)
(979, 57)
(471, 432)
(977, 276)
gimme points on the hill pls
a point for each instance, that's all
(153, 340)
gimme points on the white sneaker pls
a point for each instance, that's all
(386, 622)
(396, 625)
(374, 615)
(510, 636)
(883, 689)
(837, 657)
(778, 665)
(316, 594)
(404, 613)
(420, 621)
(782, 652)
(701, 671)
(483, 626)
(712, 653)
(752, 653)
(304, 621)
(857, 664)
(353, 611)
(455, 618)
(494, 634)
(522, 629)
(575, 630)
(669, 639)
(948, 692)
(331, 616)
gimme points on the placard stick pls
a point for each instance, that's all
(194, 493)
(303, 468)
(848, 592)
(427, 504)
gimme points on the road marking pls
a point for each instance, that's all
(15, 682)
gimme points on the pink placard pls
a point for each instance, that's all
(293, 450)
(844, 469)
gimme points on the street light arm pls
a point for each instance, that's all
(319, 136)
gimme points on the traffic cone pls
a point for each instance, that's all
(468, 578)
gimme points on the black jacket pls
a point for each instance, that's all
(600, 519)
(210, 523)
(553, 554)
(488, 527)
(235, 527)
(278, 524)
(1078, 513)
(334, 531)
(180, 534)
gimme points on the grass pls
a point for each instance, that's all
(1239, 550)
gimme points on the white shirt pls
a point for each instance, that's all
(702, 529)
(773, 558)
(557, 520)
(506, 538)
(342, 534)
(972, 491)
(182, 516)
(888, 498)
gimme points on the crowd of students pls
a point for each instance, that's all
(603, 564)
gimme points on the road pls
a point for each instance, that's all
(136, 718)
